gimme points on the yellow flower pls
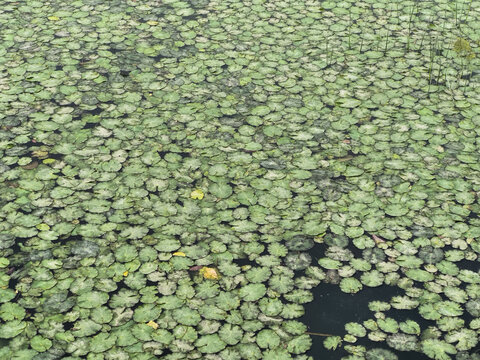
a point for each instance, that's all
(125, 273)
(197, 194)
(152, 22)
(209, 273)
(152, 324)
(178, 253)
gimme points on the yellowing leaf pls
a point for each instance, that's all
(39, 153)
(125, 273)
(43, 227)
(53, 18)
(152, 324)
(209, 273)
(319, 238)
(377, 239)
(152, 22)
(197, 194)
(179, 253)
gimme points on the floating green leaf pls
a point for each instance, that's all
(11, 329)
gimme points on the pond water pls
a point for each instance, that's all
(332, 309)
(228, 180)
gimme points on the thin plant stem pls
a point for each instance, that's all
(317, 334)
(398, 18)
(326, 52)
(421, 42)
(386, 41)
(461, 72)
(432, 56)
(440, 63)
(438, 75)
(444, 22)
(468, 11)
(410, 26)
(349, 31)
(456, 10)
(433, 51)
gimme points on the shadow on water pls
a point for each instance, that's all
(332, 309)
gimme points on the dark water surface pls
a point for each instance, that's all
(332, 309)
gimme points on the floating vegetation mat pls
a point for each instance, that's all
(177, 177)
